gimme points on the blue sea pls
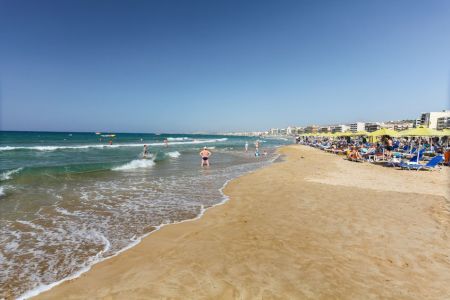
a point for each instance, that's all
(69, 200)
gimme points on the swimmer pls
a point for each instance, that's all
(205, 154)
(246, 146)
(145, 152)
(166, 142)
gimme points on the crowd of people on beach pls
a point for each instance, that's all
(406, 153)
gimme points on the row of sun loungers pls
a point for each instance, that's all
(405, 158)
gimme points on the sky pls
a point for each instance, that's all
(213, 66)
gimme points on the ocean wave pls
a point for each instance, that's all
(135, 164)
(96, 146)
(133, 242)
(172, 139)
(174, 154)
(7, 175)
(2, 191)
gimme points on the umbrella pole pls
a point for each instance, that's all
(418, 151)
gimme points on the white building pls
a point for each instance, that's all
(358, 126)
(324, 129)
(340, 128)
(371, 127)
(289, 130)
(430, 119)
(274, 131)
(443, 123)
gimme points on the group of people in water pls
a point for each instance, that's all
(205, 153)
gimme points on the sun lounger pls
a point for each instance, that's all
(429, 166)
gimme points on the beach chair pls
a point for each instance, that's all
(429, 166)
(396, 162)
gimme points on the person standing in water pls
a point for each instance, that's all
(246, 146)
(205, 154)
(166, 142)
(145, 152)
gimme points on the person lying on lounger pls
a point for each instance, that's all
(354, 154)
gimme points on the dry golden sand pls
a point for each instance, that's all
(316, 227)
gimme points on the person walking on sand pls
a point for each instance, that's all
(205, 154)
(246, 146)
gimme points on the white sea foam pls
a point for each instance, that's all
(134, 241)
(102, 146)
(2, 191)
(174, 154)
(7, 175)
(178, 138)
(135, 164)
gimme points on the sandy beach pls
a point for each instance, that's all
(313, 226)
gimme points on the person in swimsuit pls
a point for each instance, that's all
(389, 147)
(205, 154)
(145, 153)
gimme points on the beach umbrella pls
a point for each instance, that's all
(445, 132)
(343, 134)
(421, 131)
(326, 134)
(360, 133)
(384, 131)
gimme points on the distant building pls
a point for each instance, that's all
(430, 119)
(274, 131)
(417, 122)
(289, 130)
(324, 129)
(371, 127)
(398, 125)
(443, 123)
(300, 130)
(311, 129)
(358, 126)
(340, 128)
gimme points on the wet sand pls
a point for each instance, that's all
(316, 227)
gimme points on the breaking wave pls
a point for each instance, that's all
(173, 154)
(7, 175)
(135, 164)
(172, 139)
(96, 146)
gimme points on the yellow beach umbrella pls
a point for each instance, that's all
(325, 134)
(445, 132)
(421, 131)
(384, 131)
(360, 133)
(345, 134)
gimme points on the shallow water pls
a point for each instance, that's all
(68, 200)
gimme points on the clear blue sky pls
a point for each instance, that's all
(183, 66)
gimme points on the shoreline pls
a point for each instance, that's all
(225, 198)
(100, 281)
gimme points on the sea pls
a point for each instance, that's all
(70, 200)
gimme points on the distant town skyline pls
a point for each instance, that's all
(219, 66)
